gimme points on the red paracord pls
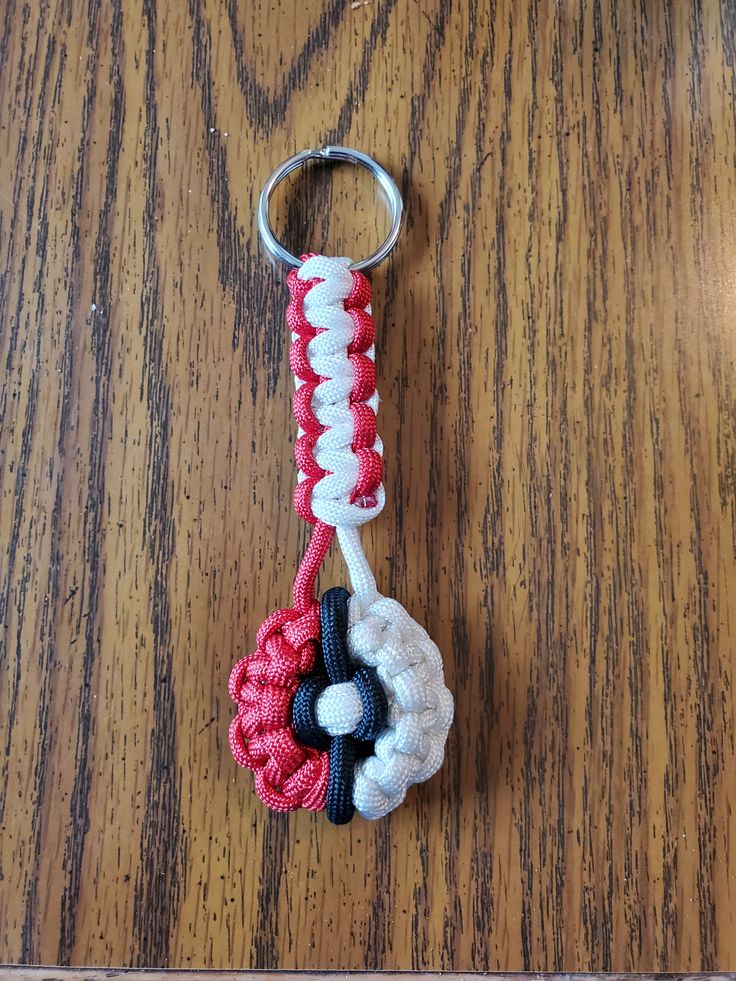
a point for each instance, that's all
(289, 774)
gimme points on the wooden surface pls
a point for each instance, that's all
(16, 973)
(20, 973)
(556, 348)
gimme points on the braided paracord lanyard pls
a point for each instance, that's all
(343, 705)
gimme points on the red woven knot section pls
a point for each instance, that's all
(288, 774)
(370, 463)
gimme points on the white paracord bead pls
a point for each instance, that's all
(339, 709)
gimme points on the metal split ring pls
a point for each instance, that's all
(329, 154)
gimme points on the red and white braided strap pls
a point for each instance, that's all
(339, 455)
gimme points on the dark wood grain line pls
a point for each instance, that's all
(356, 90)
(27, 439)
(253, 284)
(420, 100)
(10, 21)
(266, 111)
(458, 427)
(95, 492)
(30, 924)
(31, 916)
(707, 767)
(264, 949)
(727, 15)
(634, 445)
(48, 654)
(162, 860)
(17, 546)
(7, 593)
(22, 973)
(396, 573)
(483, 904)
(556, 634)
(596, 897)
(22, 582)
(378, 938)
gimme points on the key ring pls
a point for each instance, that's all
(330, 153)
(343, 705)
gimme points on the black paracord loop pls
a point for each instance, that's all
(344, 747)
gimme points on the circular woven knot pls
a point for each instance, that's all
(336, 707)
(288, 774)
(410, 748)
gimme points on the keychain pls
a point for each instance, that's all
(343, 706)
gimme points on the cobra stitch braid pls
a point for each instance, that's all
(338, 451)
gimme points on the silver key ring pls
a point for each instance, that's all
(330, 153)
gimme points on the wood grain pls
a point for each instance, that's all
(556, 355)
(21, 973)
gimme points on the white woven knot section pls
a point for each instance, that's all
(409, 665)
(324, 308)
(339, 709)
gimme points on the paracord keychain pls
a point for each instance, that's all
(343, 706)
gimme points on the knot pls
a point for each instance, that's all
(288, 774)
(338, 709)
(339, 454)
(349, 708)
(384, 637)
(342, 710)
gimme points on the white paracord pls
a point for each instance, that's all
(381, 633)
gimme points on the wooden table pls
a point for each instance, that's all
(556, 358)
